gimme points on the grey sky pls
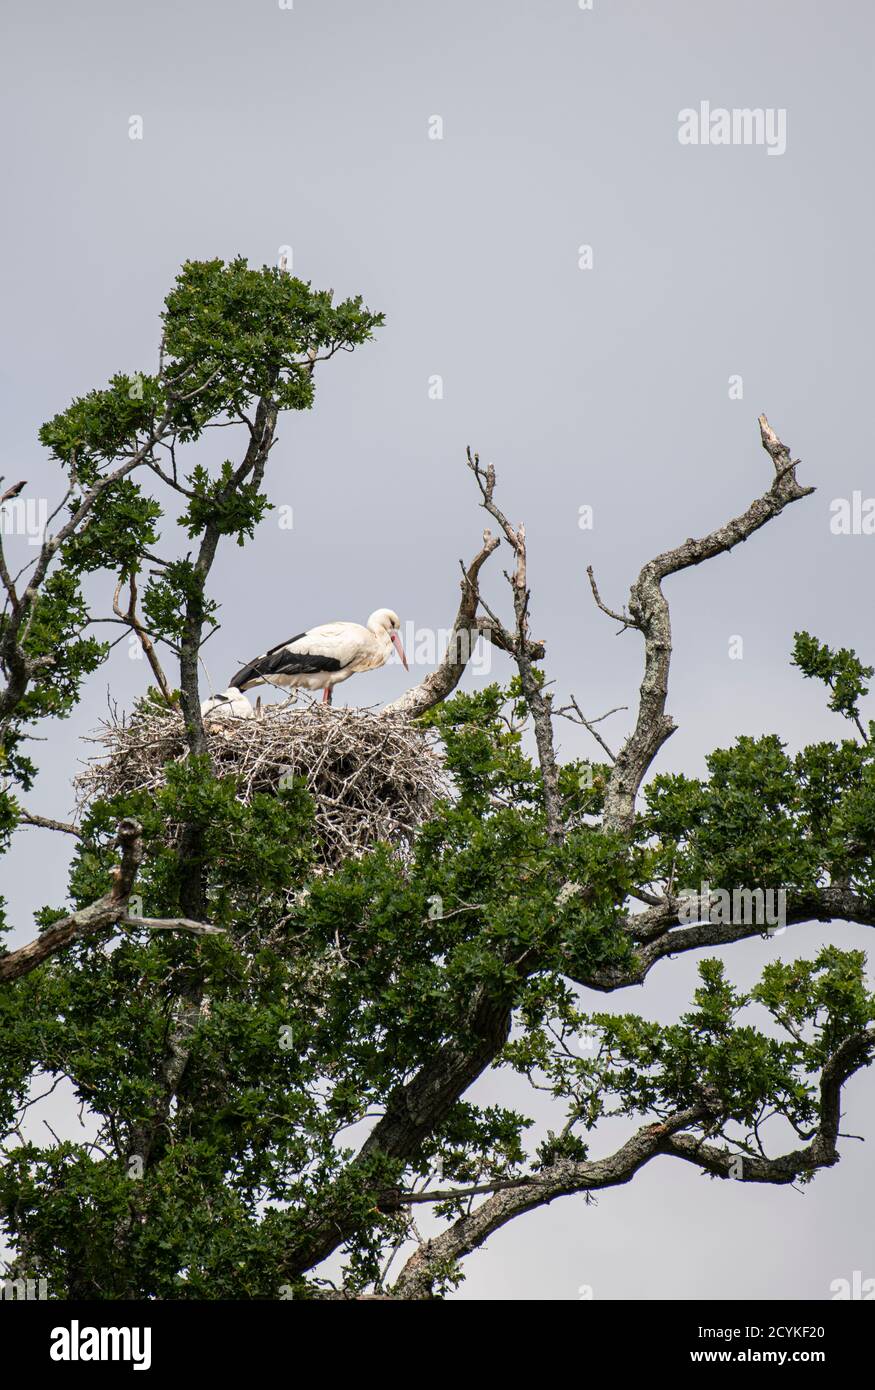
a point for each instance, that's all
(607, 387)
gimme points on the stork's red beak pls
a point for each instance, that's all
(396, 643)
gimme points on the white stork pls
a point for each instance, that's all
(229, 704)
(324, 656)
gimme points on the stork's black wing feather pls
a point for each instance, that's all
(288, 642)
(279, 661)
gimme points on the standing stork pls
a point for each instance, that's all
(324, 656)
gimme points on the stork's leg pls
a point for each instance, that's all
(326, 695)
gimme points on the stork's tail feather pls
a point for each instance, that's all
(245, 677)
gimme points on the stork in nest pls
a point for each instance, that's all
(322, 657)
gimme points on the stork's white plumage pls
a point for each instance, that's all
(324, 656)
(229, 704)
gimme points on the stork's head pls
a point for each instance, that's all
(385, 623)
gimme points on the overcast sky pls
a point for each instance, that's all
(606, 386)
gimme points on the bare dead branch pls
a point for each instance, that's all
(171, 924)
(649, 612)
(108, 911)
(133, 622)
(46, 823)
(520, 645)
(495, 633)
(589, 724)
(463, 638)
(623, 618)
(105, 912)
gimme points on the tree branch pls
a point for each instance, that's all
(668, 1138)
(171, 924)
(108, 911)
(463, 637)
(251, 469)
(413, 1111)
(132, 621)
(46, 823)
(521, 647)
(649, 612)
(88, 920)
(192, 895)
(657, 931)
(561, 1179)
(818, 904)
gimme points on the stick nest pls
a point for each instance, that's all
(373, 777)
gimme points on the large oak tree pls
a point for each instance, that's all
(255, 1012)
